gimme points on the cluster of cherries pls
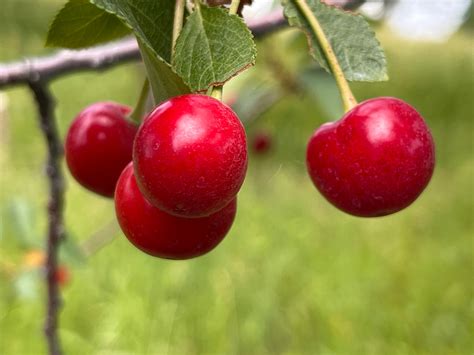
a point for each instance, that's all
(176, 198)
(175, 178)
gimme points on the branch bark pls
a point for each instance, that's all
(68, 61)
(45, 104)
(100, 57)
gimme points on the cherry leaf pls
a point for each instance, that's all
(151, 21)
(212, 47)
(163, 81)
(353, 41)
(81, 24)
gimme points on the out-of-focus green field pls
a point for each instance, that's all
(294, 276)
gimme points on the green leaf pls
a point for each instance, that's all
(353, 41)
(163, 81)
(151, 20)
(81, 24)
(212, 47)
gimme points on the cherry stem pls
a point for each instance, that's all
(177, 22)
(216, 92)
(141, 106)
(234, 7)
(348, 98)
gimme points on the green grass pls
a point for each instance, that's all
(294, 276)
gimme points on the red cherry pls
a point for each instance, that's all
(160, 234)
(99, 145)
(374, 161)
(190, 156)
(261, 143)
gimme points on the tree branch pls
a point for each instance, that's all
(45, 104)
(97, 58)
(67, 62)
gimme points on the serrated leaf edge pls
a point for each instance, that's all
(47, 43)
(309, 34)
(238, 71)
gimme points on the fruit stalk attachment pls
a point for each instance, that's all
(348, 98)
(234, 7)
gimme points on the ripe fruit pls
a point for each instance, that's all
(374, 161)
(190, 156)
(99, 145)
(261, 143)
(160, 234)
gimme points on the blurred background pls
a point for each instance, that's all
(295, 275)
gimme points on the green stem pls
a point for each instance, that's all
(234, 7)
(140, 107)
(216, 92)
(177, 22)
(348, 98)
(189, 7)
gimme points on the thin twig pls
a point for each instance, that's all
(67, 61)
(45, 104)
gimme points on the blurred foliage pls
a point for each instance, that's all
(294, 276)
(469, 24)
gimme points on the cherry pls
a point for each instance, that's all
(190, 156)
(261, 142)
(376, 160)
(160, 234)
(99, 145)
